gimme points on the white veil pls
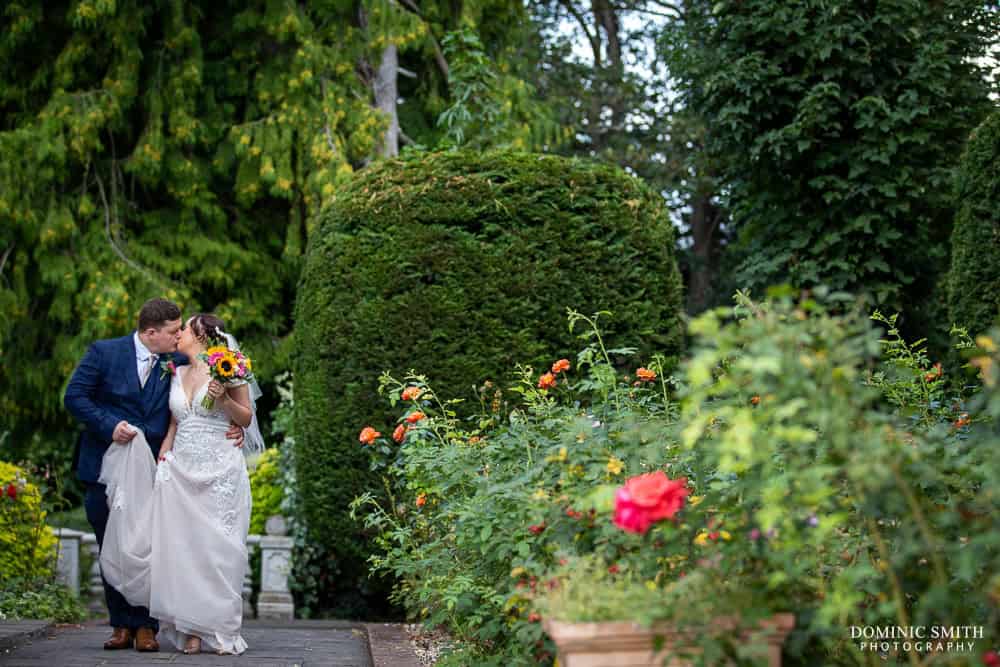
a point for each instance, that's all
(253, 442)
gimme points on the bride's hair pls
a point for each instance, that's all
(206, 326)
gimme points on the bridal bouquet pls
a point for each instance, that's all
(225, 365)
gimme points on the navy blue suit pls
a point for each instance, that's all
(104, 391)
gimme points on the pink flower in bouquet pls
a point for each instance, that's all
(646, 499)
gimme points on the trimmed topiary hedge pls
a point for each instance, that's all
(974, 280)
(459, 265)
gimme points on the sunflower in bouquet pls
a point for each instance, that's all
(227, 366)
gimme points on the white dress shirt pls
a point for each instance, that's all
(142, 355)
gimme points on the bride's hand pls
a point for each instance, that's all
(215, 389)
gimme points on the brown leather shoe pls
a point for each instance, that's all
(145, 641)
(120, 638)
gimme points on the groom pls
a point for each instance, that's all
(117, 390)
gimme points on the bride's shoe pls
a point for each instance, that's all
(192, 645)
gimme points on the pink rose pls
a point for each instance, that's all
(646, 499)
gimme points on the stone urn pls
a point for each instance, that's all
(628, 644)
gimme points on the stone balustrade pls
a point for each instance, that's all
(274, 600)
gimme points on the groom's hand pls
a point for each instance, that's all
(235, 433)
(123, 433)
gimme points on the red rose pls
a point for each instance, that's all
(537, 528)
(646, 499)
(991, 659)
(12, 491)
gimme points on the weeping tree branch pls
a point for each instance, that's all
(594, 45)
(6, 254)
(111, 210)
(326, 123)
(411, 7)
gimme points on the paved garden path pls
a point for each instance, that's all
(272, 644)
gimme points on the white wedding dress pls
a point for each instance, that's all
(178, 546)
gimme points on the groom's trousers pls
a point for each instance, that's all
(123, 615)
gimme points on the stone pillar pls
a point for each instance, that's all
(68, 561)
(275, 599)
(253, 542)
(94, 586)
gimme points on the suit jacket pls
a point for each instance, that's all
(105, 390)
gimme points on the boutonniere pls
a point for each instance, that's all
(168, 367)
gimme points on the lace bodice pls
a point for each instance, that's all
(201, 448)
(180, 407)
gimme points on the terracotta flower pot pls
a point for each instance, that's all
(628, 644)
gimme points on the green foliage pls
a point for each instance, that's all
(915, 386)
(482, 511)
(303, 579)
(461, 262)
(27, 544)
(838, 128)
(490, 108)
(39, 598)
(974, 280)
(814, 493)
(266, 490)
(164, 149)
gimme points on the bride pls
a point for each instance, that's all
(181, 550)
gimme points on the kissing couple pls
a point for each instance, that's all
(167, 488)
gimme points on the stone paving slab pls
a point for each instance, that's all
(272, 644)
(13, 633)
(390, 646)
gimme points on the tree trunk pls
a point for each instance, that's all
(704, 222)
(614, 68)
(386, 94)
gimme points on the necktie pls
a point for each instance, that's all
(150, 362)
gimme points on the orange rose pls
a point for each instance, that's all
(755, 400)
(421, 500)
(560, 366)
(645, 374)
(368, 435)
(399, 433)
(414, 417)
(411, 393)
(547, 381)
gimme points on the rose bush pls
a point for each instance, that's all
(782, 467)
(27, 544)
